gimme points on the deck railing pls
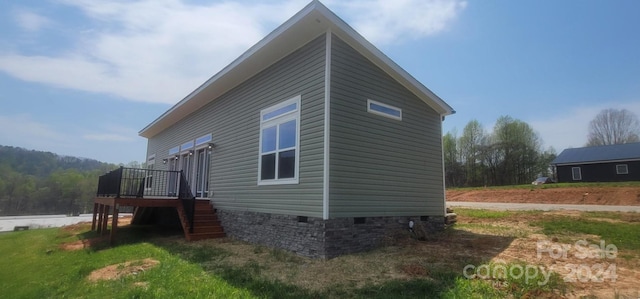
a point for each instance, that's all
(140, 183)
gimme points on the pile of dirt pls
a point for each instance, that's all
(623, 196)
(117, 271)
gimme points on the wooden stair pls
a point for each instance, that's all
(205, 223)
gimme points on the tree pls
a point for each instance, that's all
(613, 126)
(454, 172)
(520, 147)
(470, 143)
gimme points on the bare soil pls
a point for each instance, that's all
(620, 196)
(92, 242)
(117, 271)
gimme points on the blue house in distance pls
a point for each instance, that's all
(607, 163)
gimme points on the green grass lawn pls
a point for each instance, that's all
(40, 268)
(35, 266)
(625, 235)
(550, 186)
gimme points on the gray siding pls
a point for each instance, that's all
(380, 166)
(234, 121)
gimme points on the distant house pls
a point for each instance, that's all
(607, 163)
(312, 141)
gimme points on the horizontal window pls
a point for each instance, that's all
(174, 150)
(204, 139)
(279, 111)
(384, 110)
(187, 145)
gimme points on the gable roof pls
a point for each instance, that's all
(309, 23)
(595, 154)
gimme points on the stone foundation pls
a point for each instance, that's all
(318, 238)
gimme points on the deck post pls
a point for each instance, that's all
(114, 224)
(95, 214)
(105, 219)
(100, 215)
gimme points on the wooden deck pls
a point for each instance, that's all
(206, 224)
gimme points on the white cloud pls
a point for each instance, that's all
(107, 137)
(383, 21)
(30, 21)
(22, 130)
(112, 133)
(160, 50)
(570, 128)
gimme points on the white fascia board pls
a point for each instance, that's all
(364, 47)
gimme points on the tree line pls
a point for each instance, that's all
(36, 182)
(510, 154)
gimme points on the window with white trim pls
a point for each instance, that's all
(384, 110)
(622, 169)
(278, 159)
(576, 173)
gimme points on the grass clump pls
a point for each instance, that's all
(623, 235)
(482, 214)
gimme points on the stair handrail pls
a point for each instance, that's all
(188, 200)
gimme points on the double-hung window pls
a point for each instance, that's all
(279, 143)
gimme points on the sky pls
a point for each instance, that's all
(83, 77)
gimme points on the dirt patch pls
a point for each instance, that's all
(624, 196)
(117, 271)
(76, 229)
(82, 244)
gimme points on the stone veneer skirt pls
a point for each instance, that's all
(318, 238)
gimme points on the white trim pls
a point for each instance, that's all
(573, 176)
(280, 119)
(444, 173)
(369, 102)
(626, 169)
(327, 119)
(207, 169)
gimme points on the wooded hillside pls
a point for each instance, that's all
(36, 182)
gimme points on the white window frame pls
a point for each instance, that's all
(573, 173)
(278, 120)
(622, 166)
(382, 113)
(203, 146)
(148, 180)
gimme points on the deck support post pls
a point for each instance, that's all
(95, 214)
(114, 224)
(100, 215)
(105, 219)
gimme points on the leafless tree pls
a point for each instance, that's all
(612, 126)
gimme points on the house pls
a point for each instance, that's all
(312, 141)
(607, 163)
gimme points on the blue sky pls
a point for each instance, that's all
(82, 77)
